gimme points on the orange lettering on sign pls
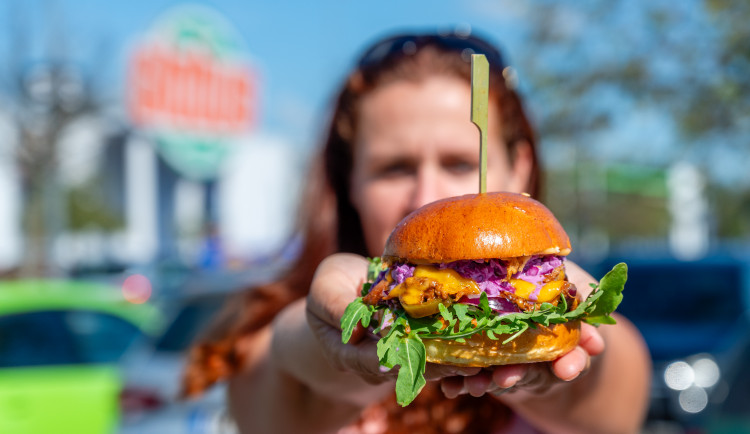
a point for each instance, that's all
(190, 91)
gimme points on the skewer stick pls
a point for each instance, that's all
(480, 83)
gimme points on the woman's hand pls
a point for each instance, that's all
(337, 282)
(535, 377)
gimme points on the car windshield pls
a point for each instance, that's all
(684, 292)
(189, 321)
(684, 308)
(63, 337)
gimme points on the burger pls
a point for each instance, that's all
(476, 280)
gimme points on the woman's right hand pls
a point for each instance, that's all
(336, 283)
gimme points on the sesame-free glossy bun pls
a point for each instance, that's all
(534, 345)
(477, 226)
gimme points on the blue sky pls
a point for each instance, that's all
(301, 49)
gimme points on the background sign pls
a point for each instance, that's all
(192, 90)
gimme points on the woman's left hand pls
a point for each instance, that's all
(534, 377)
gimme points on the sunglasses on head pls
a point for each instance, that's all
(406, 45)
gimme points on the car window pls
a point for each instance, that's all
(684, 293)
(683, 308)
(189, 321)
(37, 338)
(63, 337)
(100, 337)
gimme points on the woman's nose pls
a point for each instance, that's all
(426, 189)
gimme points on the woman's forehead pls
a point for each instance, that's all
(432, 111)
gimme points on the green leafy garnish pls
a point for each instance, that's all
(356, 312)
(611, 287)
(374, 267)
(408, 352)
(403, 344)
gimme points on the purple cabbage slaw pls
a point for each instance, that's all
(489, 276)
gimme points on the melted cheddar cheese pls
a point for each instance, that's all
(421, 294)
(547, 293)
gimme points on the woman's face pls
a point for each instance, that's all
(416, 144)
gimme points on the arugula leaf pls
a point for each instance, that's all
(410, 354)
(524, 326)
(484, 303)
(462, 313)
(445, 313)
(610, 287)
(356, 312)
(387, 346)
(374, 267)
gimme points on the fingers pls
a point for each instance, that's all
(361, 358)
(435, 371)
(475, 384)
(535, 377)
(508, 376)
(591, 340)
(452, 387)
(478, 384)
(571, 365)
(336, 283)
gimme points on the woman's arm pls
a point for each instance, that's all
(292, 384)
(611, 397)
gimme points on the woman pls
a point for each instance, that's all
(399, 138)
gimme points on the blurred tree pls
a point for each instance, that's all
(48, 91)
(646, 83)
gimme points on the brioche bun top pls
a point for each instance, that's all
(477, 226)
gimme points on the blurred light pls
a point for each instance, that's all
(693, 399)
(409, 48)
(679, 376)
(137, 400)
(463, 30)
(511, 77)
(136, 289)
(689, 231)
(706, 372)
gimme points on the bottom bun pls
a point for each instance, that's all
(541, 344)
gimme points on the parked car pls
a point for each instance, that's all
(153, 372)
(59, 345)
(728, 409)
(691, 314)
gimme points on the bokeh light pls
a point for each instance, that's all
(679, 376)
(693, 399)
(707, 372)
(136, 289)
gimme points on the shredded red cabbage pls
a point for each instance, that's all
(538, 267)
(399, 272)
(491, 277)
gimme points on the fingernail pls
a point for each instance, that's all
(510, 381)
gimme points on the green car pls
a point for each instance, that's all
(59, 345)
